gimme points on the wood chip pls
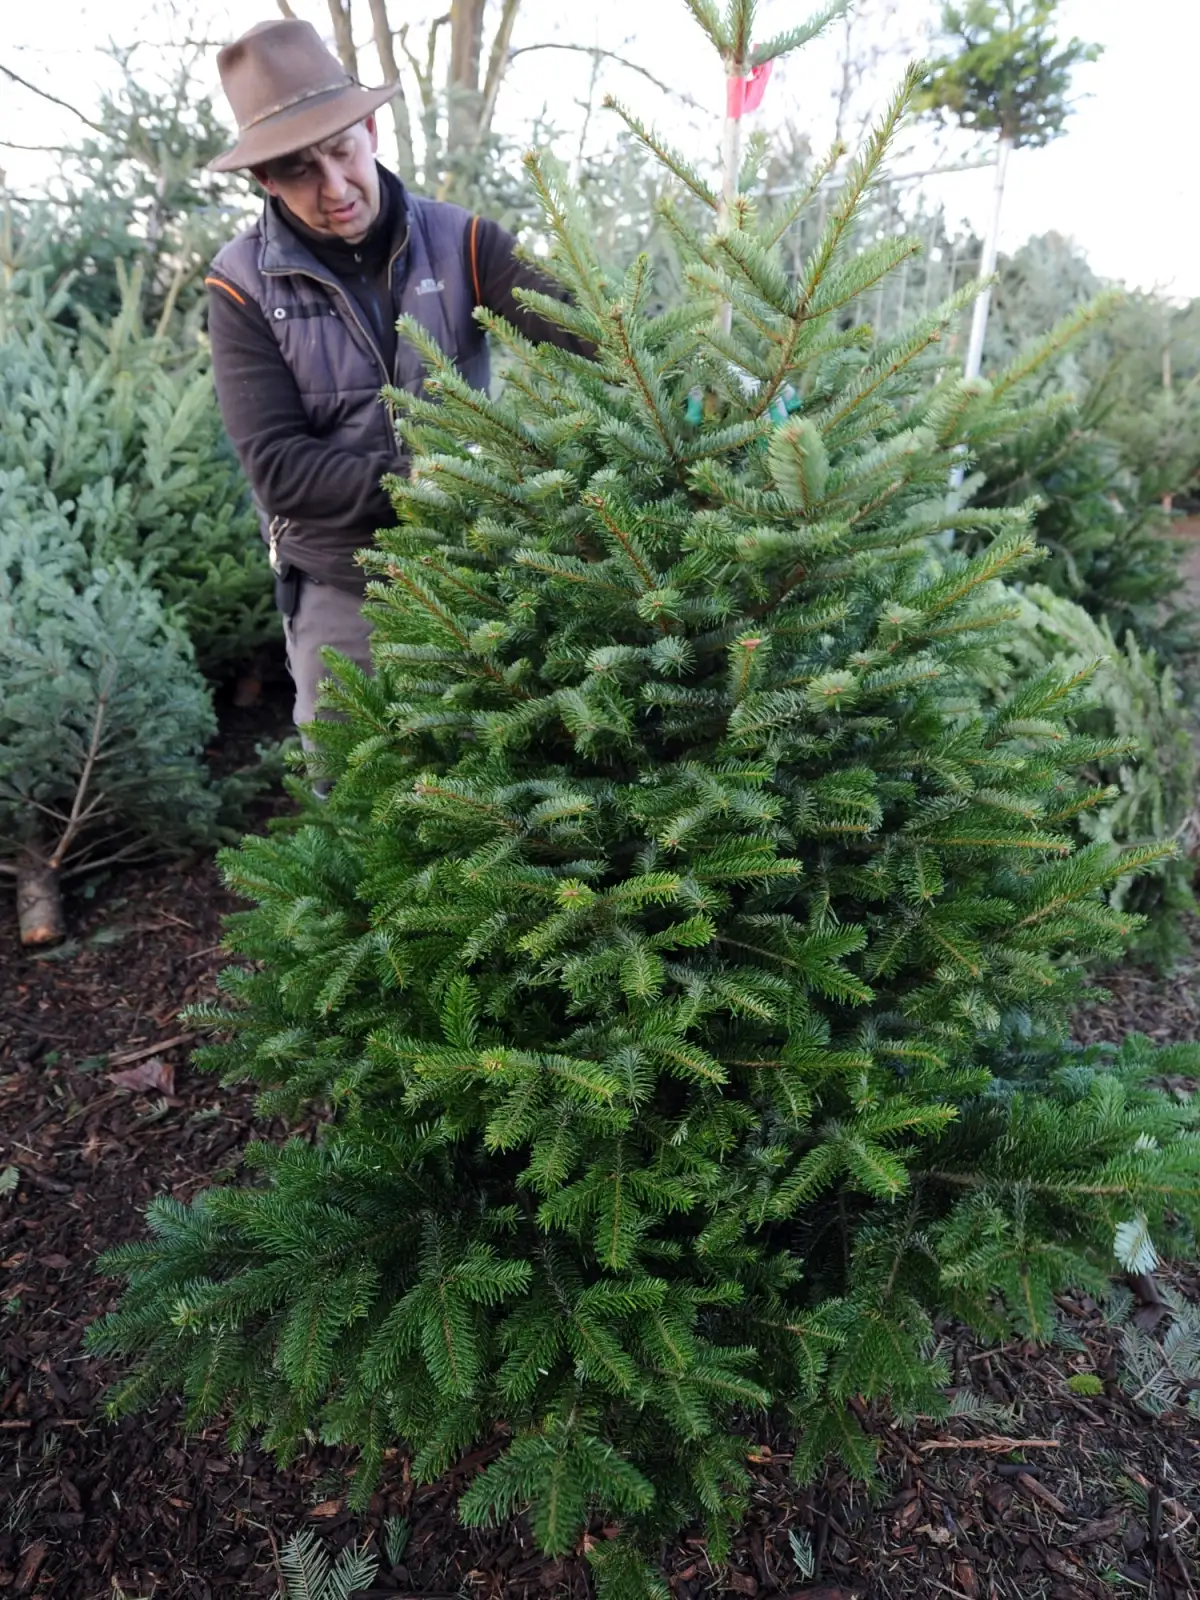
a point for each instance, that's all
(1093, 1532)
(741, 1583)
(994, 1443)
(936, 1532)
(31, 1563)
(123, 1058)
(327, 1508)
(1040, 1492)
(966, 1578)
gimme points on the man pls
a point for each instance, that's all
(302, 323)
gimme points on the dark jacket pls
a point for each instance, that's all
(298, 365)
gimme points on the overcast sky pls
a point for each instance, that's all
(1115, 183)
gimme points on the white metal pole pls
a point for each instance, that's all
(979, 315)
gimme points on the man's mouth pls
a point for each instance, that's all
(343, 213)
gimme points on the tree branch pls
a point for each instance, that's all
(611, 55)
(385, 49)
(53, 98)
(343, 35)
(75, 820)
(498, 60)
(136, 850)
(424, 74)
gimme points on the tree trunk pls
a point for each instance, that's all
(343, 35)
(466, 49)
(496, 68)
(386, 50)
(731, 167)
(39, 901)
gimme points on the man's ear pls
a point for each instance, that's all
(372, 128)
(260, 176)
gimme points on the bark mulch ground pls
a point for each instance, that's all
(1106, 1505)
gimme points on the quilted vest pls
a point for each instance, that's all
(336, 363)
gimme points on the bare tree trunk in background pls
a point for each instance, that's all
(498, 59)
(423, 72)
(343, 35)
(466, 49)
(473, 93)
(385, 48)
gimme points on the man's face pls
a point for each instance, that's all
(333, 187)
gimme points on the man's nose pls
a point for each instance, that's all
(334, 185)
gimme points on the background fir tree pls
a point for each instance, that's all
(1106, 538)
(118, 429)
(1136, 700)
(134, 194)
(652, 951)
(103, 718)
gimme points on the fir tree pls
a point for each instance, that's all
(1136, 702)
(118, 431)
(654, 945)
(102, 721)
(1106, 537)
(135, 195)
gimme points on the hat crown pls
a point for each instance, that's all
(276, 65)
(288, 91)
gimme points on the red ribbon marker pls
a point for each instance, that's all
(743, 95)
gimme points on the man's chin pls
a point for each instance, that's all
(350, 228)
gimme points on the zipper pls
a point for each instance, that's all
(392, 260)
(348, 301)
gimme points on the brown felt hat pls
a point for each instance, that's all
(287, 91)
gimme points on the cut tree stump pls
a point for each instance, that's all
(39, 902)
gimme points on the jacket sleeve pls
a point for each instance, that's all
(494, 271)
(293, 472)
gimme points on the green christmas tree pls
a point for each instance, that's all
(1106, 537)
(1137, 703)
(656, 944)
(118, 429)
(102, 720)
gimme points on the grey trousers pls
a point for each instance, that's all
(324, 617)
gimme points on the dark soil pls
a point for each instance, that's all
(1105, 1505)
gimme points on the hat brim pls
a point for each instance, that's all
(298, 126)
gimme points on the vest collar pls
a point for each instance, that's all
(283, 250)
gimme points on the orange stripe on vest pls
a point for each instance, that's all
(219, 283)
(475, 260)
